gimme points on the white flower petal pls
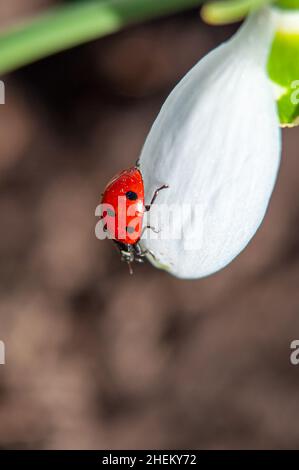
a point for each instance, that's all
(287, 21)
(216, 143)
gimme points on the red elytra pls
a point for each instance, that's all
(125, 193)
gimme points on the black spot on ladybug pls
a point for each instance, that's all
(131, 195)
(130, 229)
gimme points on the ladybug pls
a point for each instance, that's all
(124, 195)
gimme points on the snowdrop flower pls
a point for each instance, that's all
(216, 143)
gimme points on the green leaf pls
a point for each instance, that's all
(75, 23)
(283, 70)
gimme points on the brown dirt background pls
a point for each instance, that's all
(98, 359)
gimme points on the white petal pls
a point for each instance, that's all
(287, 21)
(216, 143)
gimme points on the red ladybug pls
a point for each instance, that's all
(124, 218)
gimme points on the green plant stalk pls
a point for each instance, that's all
(288, 4)
(228, 11)
(74, 24)
(220, 12)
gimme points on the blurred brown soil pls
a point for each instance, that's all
(99, 359)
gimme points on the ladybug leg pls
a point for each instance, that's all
(138, 250)
(139, 254)
(147, 252)
(149, 227)
(137, 164)
(148, 206)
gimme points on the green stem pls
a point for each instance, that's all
(288, 4)
(74, 24)
(229, 11)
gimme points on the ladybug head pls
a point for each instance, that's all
(127, 253)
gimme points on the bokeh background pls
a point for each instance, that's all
(96, 358)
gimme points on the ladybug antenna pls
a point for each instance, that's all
(130, 268)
